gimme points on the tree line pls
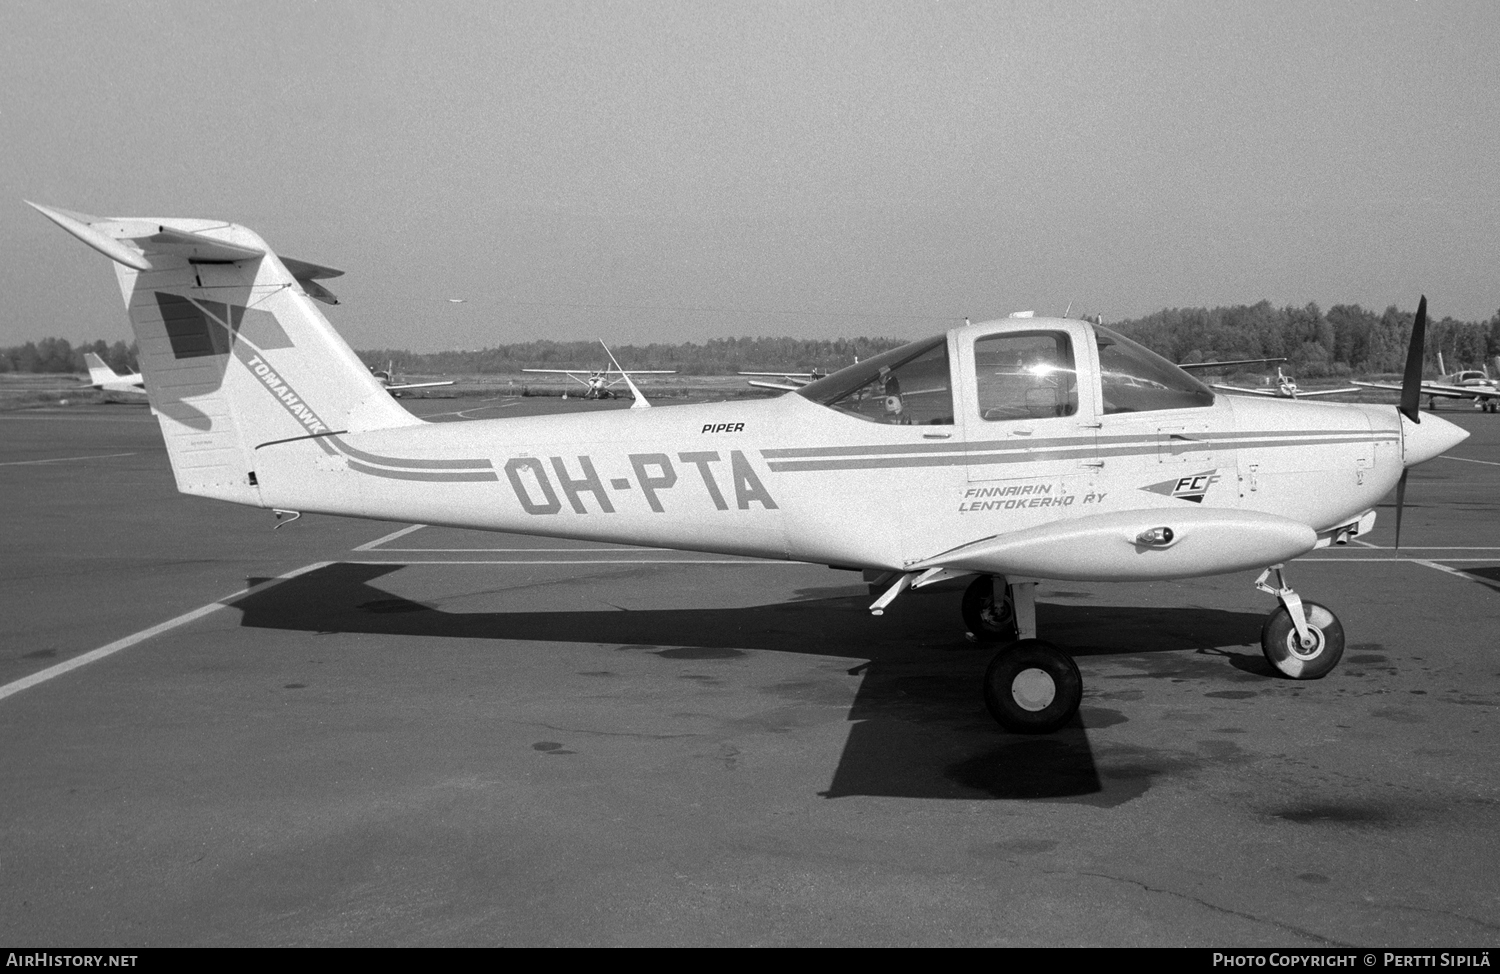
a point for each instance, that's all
(1345, 340)
(718, 356)
(60, 355)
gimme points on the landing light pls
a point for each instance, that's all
(1155, 537)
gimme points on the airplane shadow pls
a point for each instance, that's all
(920, 728)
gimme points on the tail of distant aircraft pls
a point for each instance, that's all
(99, 372)
(234, 352)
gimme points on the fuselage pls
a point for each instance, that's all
(971, 446)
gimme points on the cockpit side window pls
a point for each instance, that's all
(1025, 375)
(907, 386)
(1135, 379)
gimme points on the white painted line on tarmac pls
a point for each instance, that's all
(42, 676)
(597, 561)
(517, 551)
(369, 545)
(1431, 547)
(96, 456)
(1487, 463)
(1463, 575)
(1418, 561)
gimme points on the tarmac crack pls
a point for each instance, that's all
(1218, 909)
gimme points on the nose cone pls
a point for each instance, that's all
(1422, 441)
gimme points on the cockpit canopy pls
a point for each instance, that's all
(1021, 372)
(906, 386)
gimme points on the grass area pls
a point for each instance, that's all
(21, 390)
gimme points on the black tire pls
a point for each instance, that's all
(1032, 687)
(989, 623)
(1279, 643)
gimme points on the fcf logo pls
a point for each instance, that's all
(1190, 488)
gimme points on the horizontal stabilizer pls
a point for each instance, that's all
(198, 248)
(82, 226)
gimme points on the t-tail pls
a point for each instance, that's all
(234, 351)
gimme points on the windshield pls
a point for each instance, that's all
(1135, 379)
(907, 386)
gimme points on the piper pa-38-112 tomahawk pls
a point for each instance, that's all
(1009, 451)
(600, 384)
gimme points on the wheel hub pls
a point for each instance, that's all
(1033, 689)
(1313, 647)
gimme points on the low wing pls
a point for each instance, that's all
(780, 375)
(1303, 394)
(1219, 365)
(1253, 392)
(1128, 545)
(1436, 389)
(771, 385)
(422, 385)
(1456, 392)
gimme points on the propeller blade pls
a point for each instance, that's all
(1400, 503)
(1411, 382)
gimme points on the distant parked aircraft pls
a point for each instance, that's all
(790, 381)
(600, 384)
(1286, 388)
(1475, 384)
(388, 379)
(104, 378)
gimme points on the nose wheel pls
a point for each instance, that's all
(1301, 640)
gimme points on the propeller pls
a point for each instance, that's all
(1411, 382)
(1411, 396)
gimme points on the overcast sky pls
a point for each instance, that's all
(671, 171)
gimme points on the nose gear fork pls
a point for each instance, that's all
(1293, 603)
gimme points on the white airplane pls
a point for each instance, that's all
(790, 381)
(600, 384)
(1475, 384)
(1037, 448)
(101, 376)
(387, 378)
(1286, 388)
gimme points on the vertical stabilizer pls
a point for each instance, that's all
(99, 372)
(234, 352)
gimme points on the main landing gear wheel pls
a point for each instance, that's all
(1278, 640)
(1032, 687)
(988, 621)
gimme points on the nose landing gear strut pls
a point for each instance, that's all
(1302, 640)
